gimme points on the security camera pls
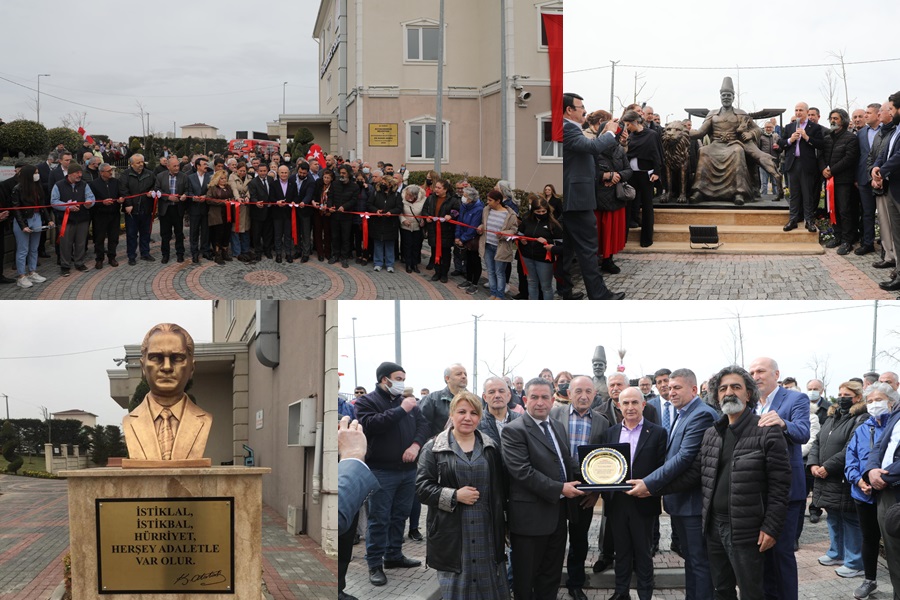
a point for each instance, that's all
(523, 95)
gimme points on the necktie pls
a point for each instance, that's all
(166, 435)
(666, 419)
(562, 472)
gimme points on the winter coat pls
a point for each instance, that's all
(760, 477)
(131, 183)
(534, 228)
(412, 209)
(830, 451)
(611, 161)
(449, 209)
(841, 154)
(470, 214)
(488, 423)
(506, 250)
(865, 439)
(384, 229)
(239, 190)
(216, 210)
(766, 143)
(436, 485)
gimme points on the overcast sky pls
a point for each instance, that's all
(654, 335)
(219, 63)
(725, 35)
(69, 346)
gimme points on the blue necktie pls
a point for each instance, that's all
(562, 472)
(666, 418)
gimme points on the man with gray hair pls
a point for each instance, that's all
(173, 184)
(91, 168)
(138, 182)
(436, 405)
(499, 409)
(890, 378)
(106, 215)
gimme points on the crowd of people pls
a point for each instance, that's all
(732, 460)
(623, 168)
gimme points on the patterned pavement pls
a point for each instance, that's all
(34, 536)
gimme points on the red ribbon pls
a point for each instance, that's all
(62, 228)
(522, 262)
(365, 235)
(829, 199)
(294, 226)
(153, 214)
(437, 243)
(237, 216)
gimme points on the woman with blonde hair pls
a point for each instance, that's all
(462, 480)
(412, 229)
(219, 194)
(240, 235)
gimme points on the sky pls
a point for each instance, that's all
(693, 334)
(56, 354)
(725, 35)
(222, 63)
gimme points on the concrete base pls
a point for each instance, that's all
(242, 483)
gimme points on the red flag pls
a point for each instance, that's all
(87, 138)
(81, 131)
(553, 25)
(316, 153)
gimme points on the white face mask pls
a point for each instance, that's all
(397, 387)
(877, 408)
(36, 177)
(814, 395)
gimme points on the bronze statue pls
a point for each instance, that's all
(676, 141)
(722, 170)
(167, 425)
(598, 364)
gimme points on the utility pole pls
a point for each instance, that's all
(355, 381)
(504, 96)
(874, 336)
(284, 97)
(7, 405)
(475, 356)
(39, 94)
(397, 355)
(439, 118)
(612, 85)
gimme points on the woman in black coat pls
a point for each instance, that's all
(384, 231)
(645, 146)
(462, 480)
(612, 217)
(442, 203)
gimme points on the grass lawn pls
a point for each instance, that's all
(32, 463)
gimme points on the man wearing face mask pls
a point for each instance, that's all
(818, 412)
(396, 430)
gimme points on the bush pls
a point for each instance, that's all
(40, 474)
(27, 137)
(15, 464)
(69, 138)
(482, 184)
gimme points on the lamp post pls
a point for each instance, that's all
(284, 97)
(5, 397)
(39, 94)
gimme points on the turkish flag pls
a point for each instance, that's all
(88, 138)
(315, 153)
(553, 25)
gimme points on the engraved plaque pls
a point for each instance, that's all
(171, 545)
(605, 467)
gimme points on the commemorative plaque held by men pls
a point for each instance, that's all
(605, 467)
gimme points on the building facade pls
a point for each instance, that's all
(88, 419)
(200, 130)
(265, 379)
(378, 82)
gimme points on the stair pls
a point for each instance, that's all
(740, 232)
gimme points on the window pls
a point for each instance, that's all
(328, 87)
(421, 136)
(547, 8)
(549, 151)
(422, 43)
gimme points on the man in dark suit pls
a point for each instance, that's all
(260, 217)
(584, 427)
(801, 140)
(284, 193)
(536, 453)
(886, 165)
(693, 418)
(789, 410)
(882, 472)
(170, 207)
(198, 183)
(306, 186)
(865, 136)
(579, 183)
(632, 518)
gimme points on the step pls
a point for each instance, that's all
(772, 234)
(663, 578)
(781, 249)
(699, 216)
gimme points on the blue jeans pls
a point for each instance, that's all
(415, 513)
(496, 271)
(240, 243)
(137, 225)
(27, 245)
(389, 508)
(540, 275)
(384, 253)
(697, 578)
(846, 538)
(764, 179)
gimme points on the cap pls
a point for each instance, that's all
(385, 369)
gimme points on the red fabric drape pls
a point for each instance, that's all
(553, 25)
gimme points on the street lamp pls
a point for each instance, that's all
(39, 95)
(7, 405)
(284, 97)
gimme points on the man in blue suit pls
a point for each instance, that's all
(789, 410)
(882, 472)
(693, 418)
(866, 136)
(887, 167)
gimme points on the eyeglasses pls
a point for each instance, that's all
(359, 393)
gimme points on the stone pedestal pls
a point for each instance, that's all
(244, 484)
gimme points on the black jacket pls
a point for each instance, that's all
(488, 424)
(22, 216)
(829, 450)
(436, 485)
(390, 430)
(105, 190)
(385, 228)
(531, 227)
(760, 477)
(449, 209)
(258, 193)
(841, 153)
(613, 160)
(436, 409)
(649, 455)
(343, 195)
(131, 183)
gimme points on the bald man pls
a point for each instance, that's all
(800, 141)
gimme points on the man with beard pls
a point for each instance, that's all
(838, 161)
(745, 477)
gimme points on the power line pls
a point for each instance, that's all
(738, 67)
(66, 100)
(373, 335)
(58, 355)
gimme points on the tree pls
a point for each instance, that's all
(829, 88)
(115, 441)
(69, 138)
(74, 119)
(139, 392)
(99, 446)
(819, 367)
(843, 77)
(9, 445)
(70, 432)
(27, 137)
(32, 435)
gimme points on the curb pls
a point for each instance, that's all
(58, 592)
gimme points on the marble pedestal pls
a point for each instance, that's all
(244, 484)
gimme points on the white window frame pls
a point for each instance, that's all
(445, 139)
(545, 8)
(541, 119)
(419, 24)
